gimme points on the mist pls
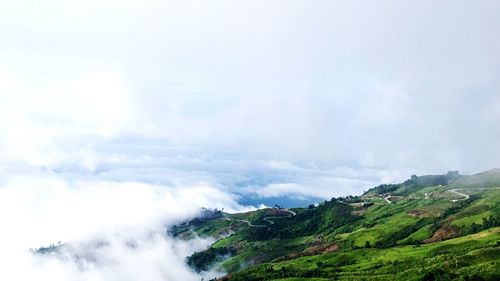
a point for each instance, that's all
(107, 230)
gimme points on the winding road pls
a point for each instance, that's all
(267, 219)
(459, 194)
(455, 191)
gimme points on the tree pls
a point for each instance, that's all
(367, 244)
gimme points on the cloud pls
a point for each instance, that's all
(41, 210)
(323, 188)
(41, 121)
(152, 258)
(410, 86)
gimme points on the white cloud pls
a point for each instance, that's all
(40, 121)
(41, 210)
(322, 187)
(287, 80)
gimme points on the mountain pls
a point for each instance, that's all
(434, 227)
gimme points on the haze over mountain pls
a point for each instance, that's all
(115, 114)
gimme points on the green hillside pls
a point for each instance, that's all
(438, 227)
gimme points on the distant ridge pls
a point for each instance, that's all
(488, 179)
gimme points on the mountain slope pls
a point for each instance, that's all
(473, 257)
(413, 230)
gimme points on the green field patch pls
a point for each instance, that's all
(472, 210)
(419, 235)
(477, 219)
(381, 231)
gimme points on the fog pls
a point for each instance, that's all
(108, 230)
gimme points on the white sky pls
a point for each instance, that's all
(224, 89)
(390, 85)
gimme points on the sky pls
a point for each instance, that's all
(181, 104)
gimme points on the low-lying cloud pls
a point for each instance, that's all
(108, 230)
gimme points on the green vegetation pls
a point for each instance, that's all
(203, 260)
(440, 227)
(415, 183)
(475, 257)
